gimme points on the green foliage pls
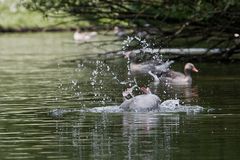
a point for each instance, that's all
(15, 17)
(173, 19)
(203, 20)
(134, 12)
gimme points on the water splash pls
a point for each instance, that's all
(97, 81)
(148, 57)
(175, 106)
(168, 106)
(99, 73)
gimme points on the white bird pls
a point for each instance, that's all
(83, 36)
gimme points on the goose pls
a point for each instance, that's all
(83, 36)
(119, 31)
(154, 66)
(141, 103)
(178, 78)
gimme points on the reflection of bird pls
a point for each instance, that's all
(155, 66)
(142, 103)
(178, 78)
(83, 36)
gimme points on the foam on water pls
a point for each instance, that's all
(175, 106)
(108, 109)
(168, 106)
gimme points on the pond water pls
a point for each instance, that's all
(47, 81)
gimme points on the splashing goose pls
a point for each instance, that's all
(154, 66)
(141, 103)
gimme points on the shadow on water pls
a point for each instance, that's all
(40, 83)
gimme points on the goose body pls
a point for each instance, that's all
(142, 103)
(179, 78)
(83, 36)
(155, 66)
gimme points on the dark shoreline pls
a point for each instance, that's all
(24, 30)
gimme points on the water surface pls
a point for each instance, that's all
(45, 72)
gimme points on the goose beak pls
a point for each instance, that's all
(195, 69)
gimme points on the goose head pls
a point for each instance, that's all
(188, 68)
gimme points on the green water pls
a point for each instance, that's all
(39, 74)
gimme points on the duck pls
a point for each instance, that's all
(83, 36)
(141, 103)
(155, 66)
(178, 78)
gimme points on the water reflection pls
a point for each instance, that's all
(133, 134)
(138, 127)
